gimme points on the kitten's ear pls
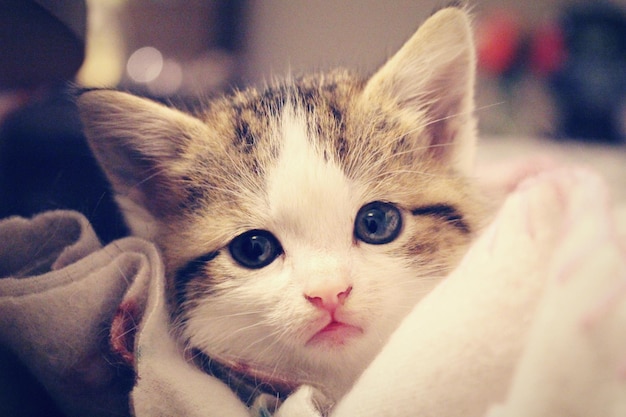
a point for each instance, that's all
(431, 79)
(139, 144)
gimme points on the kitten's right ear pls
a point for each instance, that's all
(139, 144)
(430, 81)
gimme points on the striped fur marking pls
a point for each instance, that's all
(191, 270)
(446, 212)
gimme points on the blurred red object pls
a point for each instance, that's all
(498, 38)
(547, 53)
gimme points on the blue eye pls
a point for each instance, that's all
(378, 223)
(255, 249)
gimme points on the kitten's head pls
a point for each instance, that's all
(300, 223)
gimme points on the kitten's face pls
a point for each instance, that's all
(300, 224)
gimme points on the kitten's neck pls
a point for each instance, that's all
(247, 383)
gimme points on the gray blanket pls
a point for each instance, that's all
(58, 294)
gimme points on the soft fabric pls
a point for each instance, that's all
(61, 296)
(58, 293)
(530, 324)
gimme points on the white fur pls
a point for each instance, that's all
(312, 206)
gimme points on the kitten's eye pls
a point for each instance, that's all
(378, 223)
(255, 248)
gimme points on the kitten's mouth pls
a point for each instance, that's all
(334, 334)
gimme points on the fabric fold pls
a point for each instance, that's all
(56, 321)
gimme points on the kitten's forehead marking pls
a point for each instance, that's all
(308, 194)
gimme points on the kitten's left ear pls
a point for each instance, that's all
(431, 79)
(140, 146)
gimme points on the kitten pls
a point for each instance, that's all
(300, 223)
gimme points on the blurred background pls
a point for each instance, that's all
(551, 80)
(553, 69)
(549, 70)
(550, 67)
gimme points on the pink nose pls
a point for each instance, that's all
(328, 298)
